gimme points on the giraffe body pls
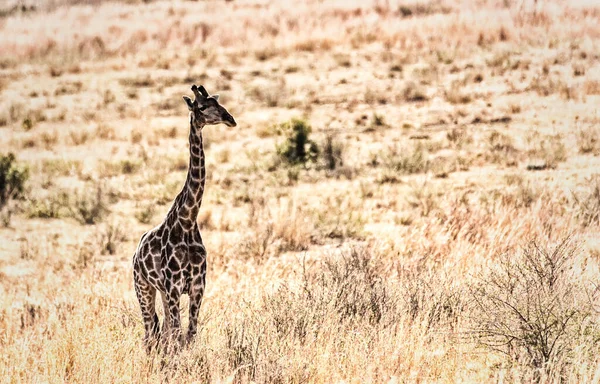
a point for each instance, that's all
(171, 258)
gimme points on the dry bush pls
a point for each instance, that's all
(13, 178)
(423, 197)
(459, 138)
(590, 87)
(332, 153)
(79, 137)
(120, 167)
(588, 140)
(270, 95)
(340, 218)
(523, 194)
(414, 92)
(90, 205)
(534, 308)
(587, 204)
(52, 206)
(346, 293)
(146, 213)
(110, 237)
(457, 95)
(501, 149)
(406, 161)
(60, 167)
(549, 149)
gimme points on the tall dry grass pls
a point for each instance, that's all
(438, 223)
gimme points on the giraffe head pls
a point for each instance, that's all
(206, 109)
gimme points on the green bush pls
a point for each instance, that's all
(298, 148)
(12, 179)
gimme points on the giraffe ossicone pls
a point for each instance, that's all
(171, 258)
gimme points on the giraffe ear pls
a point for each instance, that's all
(189, 102)
(216, 97)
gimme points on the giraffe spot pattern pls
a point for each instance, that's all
(171, 258)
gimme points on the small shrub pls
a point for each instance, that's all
(377, 121)
(423, 198)
(523, 194)
(298, 148)
(588, 140)
(348, 288)
(110, 237)
(137, 82)
(53, 206)
(342, 218)
(79, 137)
(414, 92)
(456, 95)
(587, 205)
(271, 95)
(90, 206)
(85, 254)
(406, 161)
(288, 229)
(258, 245)
(533, 306)
(121, 167)
(459, 138)
(332, 153)
(146, 213)
(501, 149)
(422, 9)
(136, 136)
(105, 132)
(61, 167)
(12, 179)
(548, 149)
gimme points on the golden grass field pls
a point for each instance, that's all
(447, 231)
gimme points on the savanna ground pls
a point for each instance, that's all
(439, 224)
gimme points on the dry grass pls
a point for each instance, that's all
(438, 223)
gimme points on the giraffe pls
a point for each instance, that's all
(171, 258)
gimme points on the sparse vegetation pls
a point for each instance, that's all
(549, 150)
(297, 148)
(501, 149)
(110, 237)
(52, 206)
(414, 92)
(391, 207)
(456, 95)
(588, 140)
(12, 179)
(146, 213)
(534, 307)
(587, 204)
(406, 160)
(332, 153)
(90, 205)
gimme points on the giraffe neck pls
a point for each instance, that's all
(187, 204)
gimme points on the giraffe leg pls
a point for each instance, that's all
(165, 325)
(196, 295)
(173, 338)
(146, 295)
